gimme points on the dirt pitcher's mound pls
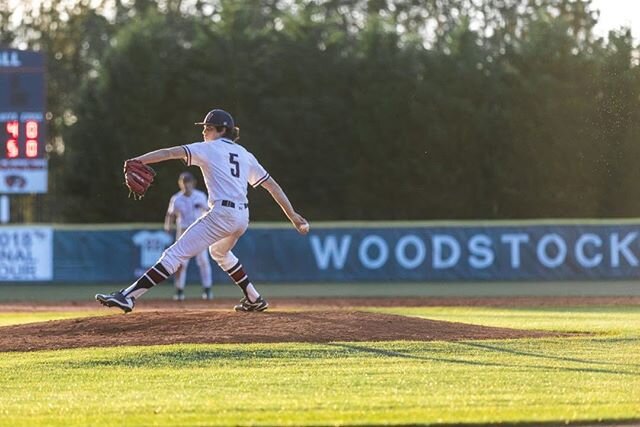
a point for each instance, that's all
(170, 327)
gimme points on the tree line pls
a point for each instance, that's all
(368, 110)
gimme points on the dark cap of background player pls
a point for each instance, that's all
(186, 176)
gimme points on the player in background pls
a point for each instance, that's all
(185, 207)
(227, 168)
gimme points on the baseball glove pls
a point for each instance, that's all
(138, 177)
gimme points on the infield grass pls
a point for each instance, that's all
(589, 377)
(16, 318)
(609, 320)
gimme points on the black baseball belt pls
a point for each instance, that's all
(230, 204)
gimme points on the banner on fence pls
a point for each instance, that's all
(341, 254)
(531, 252)
(480, 253)
(26, 254)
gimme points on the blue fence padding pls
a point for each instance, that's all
(343, 254)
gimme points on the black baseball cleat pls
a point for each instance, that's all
(207, 294)
(245, 305)
(116, 299)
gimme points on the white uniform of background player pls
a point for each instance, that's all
(185, 207)
(227, 168)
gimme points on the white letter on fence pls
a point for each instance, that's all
(582, 258)
(401, 255)
(330, 252)
(383, 252)
(541, 251)
(514, 240)
(438, 240)
(481, 253)
(622, 247)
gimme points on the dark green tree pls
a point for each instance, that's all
(362, 109)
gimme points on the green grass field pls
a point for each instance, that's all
(43, 316)
(585, 378)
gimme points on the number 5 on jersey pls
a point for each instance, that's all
(235, 170)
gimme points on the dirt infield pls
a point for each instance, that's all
(333, 303)
(209, 326)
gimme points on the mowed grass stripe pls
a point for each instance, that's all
(552, 379)
(17, 318)
(603, 320)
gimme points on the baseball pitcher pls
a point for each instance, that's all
(227, 168)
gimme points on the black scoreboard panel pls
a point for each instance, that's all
(22, 104)
(23, 164)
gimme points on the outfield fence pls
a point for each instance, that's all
(340, 252)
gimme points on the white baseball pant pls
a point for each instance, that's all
(202, 259)
(219, 230)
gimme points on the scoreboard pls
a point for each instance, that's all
(23, 161)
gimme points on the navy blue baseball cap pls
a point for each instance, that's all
(218, 118)
(186, 176)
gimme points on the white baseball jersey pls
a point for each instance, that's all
(227, 168)
(187, 208)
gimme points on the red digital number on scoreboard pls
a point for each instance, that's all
(32, 138)
(32, 129)
(32, 148)
(13, 129)
(12, 147)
